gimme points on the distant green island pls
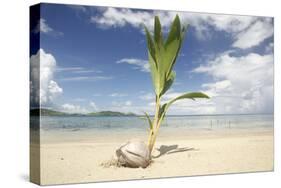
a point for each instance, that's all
(48, 112)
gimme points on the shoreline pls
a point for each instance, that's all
(104, 136)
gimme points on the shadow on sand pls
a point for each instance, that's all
(165, 150)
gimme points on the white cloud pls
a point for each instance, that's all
(71, 108)
(77, 70)
(54, 89)
(123, 106)
(139, 64)
(216, 88)
(93, 105)
(69, 69)
(82, 74)
(254, 35)
(74, 108)
(241, 84)
(43, 27)
(147, 96)
(230, 23)
(129, 106)
(121, 103)
(86, 71)
(113, 17)
(120, 17)
(118, 95)
(86, 78)
(42, 67)
(239, 27)
(128, 103)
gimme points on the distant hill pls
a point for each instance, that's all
(47, 112)
(110, 113)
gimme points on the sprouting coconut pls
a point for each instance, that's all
(162, 57)
(134, 154)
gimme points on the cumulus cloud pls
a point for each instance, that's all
(79, 109)
(254, 35)
(93, 105)
(120, 17)
(241, 84)
(127, 106)
(138, 64)
(71, 108)
(121, 103)
(239, 27)
(115, 17)
(230, 23)
(147, 96)
(44, 89)
(128, 103)
(43, 27)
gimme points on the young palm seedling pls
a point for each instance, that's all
(162, 56)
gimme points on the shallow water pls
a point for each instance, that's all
(79, 123)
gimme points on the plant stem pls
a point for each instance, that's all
(155, 133)
(155, 127)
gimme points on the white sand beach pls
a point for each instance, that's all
(75, 159)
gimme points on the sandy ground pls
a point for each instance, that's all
(209, 152)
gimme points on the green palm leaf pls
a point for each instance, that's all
(150, 45)
(149, 120)
(169, 82)
(158, 33)
(162, 57)
(192, 96)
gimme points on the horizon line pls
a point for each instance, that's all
(219, 114)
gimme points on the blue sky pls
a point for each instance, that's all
(95, 58)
